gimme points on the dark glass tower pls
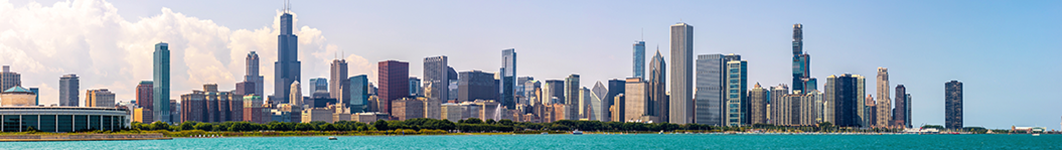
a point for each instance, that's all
(161, 83)
(287, 66)
(508, 78)
(953, 105)
(802, 81)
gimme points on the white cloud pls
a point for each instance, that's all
(89, 38)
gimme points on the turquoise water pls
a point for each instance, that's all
(567, 141)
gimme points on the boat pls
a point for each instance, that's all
(577, 132)
(544, 133)
(332, 138)
(1036, 134)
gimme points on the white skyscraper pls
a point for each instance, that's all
(681, 109)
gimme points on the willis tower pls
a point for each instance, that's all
(287, 66)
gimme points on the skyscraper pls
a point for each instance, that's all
(736, 79)
(553, 89)
(144, 99)
(99, 98)
(802, 80)
(639, 59)
(414, 87)
(681, 107)
(9, 79)
(658, 104)
(68, 90)
(318, 84)
(901, 114)
(339, 86)
(253, 76)
(571, 93)
(394, 82)
(599, 102)
(758, 98)
(296, 102)
(953, 104)
(359, 93)
(709, 96)
(615, 87)
(475, 85)
(636, 99)
(437, 77)
(884, 103)
(161, 83)
(845, 99)
(508, 79)
(288, 67)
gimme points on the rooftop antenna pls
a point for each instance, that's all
(287, 6)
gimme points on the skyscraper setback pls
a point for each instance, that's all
(288, 67)
(253, 76)
(437, 77)
(161, 83)
(339, 86)
(658, 102)
(681, 98)
(884, 104)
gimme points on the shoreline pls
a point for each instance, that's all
(81, 137)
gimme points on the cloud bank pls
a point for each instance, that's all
(90, 39)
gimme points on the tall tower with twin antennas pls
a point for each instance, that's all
(287, 66)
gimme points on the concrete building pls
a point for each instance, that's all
(871, 109)
(436, 76)
(160, 83)
(777, 105)
(571, 93)
(339, 85)
(318, 84)
(369, 117)
(288, 68)
(253, 76)
(9, 79)
(408, 108)
(553, 89)
(194, 107)
(475, 85)
(758, 98)
(68, 90)
(95, 98)
(884, 103)
(316, 114)
(736, 79)
(253, 110)
(295, 101)
(618, 108)
(393, 78)
(659, 104)
(709, 95)
(636, 99)
(681, 107)
(953, 104)
(452, 112)
(19, 96)
(508, 82)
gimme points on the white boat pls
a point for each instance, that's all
(577, 132)
(332, 138)
(1036, 134)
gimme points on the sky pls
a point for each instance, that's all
(1005, 52)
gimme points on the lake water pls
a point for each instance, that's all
(567, 141)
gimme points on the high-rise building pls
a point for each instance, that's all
(161, 83)
(639, 59)
(318, 84)
(414, 87)
(553, 89)
(9, 79)
(636, 99)
(871, 108)
(709, 95)
(99, 98)
(779, 106)
(68, 90)
(658, 104)
(508, 79)
(615, 87)
(586, 104)
(253, 76)
(288, 67)
(844, 95)
(953, 104)
(736, 79)
(295, 100)
(339, 86)
(758, 97)
(802, 80)
(617, 109)
(393, 81)
(600, 102)
(884, 103)
(681, 98)
(244, 88)
(571, 93)
(144, 99)
(437, 77)
(408, 108)
(901, 114)
(476, 85)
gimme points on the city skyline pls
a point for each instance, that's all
(822, 38)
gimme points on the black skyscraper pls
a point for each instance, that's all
(953, 105)
(287, 65)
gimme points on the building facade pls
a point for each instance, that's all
(953, 104)
(639, 59)
(68, 90)
(253, 76)
(339, 85)
(709, 96)
(884, 103)
(758, 98)
(736, 78)
(63, 119)
(636, 99)
(393, 78)
(288, 68)
(508, 79)
(681, 98)
(659, 103)
(359, 94)
(99, 98)
(161, 83)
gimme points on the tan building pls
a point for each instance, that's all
(407, 108)
(636, 98)
(368, 117)
(316, 114)
(758, 111)
(19, 96)
(99, 98)
(453, 112)
(884, 103)
(336, 117)
(617, 108)
(142, 115)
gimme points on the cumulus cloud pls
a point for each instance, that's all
(90, 39)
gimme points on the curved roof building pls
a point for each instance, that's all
(62, 118)
(18, 96)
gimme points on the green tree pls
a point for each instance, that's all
(506, 122)
(473, 121)
(380, 125)
(159, 125)
(190, 125)
(491, 121)
(304, 127)
(204, 126)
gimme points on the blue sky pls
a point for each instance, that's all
(1003, 51)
